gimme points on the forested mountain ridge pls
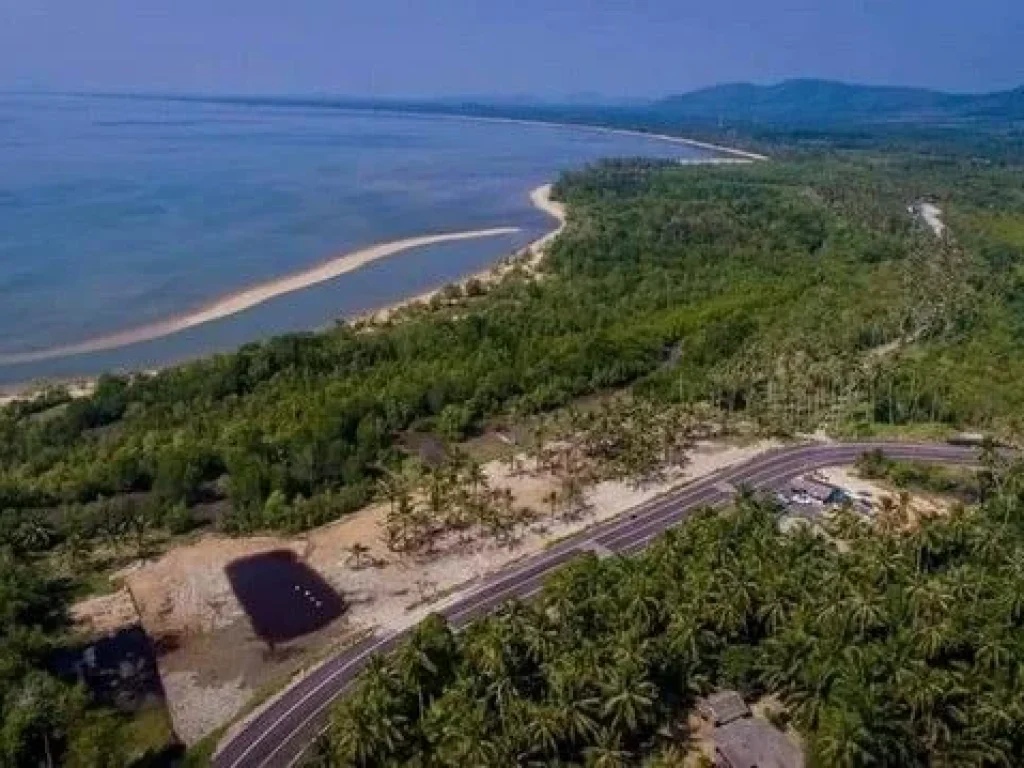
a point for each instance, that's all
(809, 103)
(826, 102)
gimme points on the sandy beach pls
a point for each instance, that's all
(735, 155)
(250, 297)
(255, 295)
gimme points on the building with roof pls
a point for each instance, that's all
(723, 707)
(743, 741)
(753, 743)
(807, 491)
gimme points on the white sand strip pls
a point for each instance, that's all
(250, 297)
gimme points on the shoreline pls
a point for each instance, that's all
(81, 386)
(249, 297)
(540, 197)
(737, 155)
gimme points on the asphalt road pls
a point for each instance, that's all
(279, 735)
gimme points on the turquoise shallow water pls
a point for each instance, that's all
(115, 213)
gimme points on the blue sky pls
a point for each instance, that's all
(505, 47)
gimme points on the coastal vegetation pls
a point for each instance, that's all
(961, 483)
(44, 718)
(623, 439)
(784, 296)
(779, 297)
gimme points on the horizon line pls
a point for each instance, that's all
(578, 99)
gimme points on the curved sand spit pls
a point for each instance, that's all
(249, 297)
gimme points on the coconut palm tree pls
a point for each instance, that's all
(33, 532)
(477, 480)
(844, 741)
(628, 701)
(544, 729)
(607, 752)
(551, 498)
(366, 731)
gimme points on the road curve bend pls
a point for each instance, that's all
(279, 735)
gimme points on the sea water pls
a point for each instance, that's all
(119, 212)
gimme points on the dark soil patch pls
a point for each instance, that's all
(283, 597)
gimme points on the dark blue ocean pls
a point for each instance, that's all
(117, 212)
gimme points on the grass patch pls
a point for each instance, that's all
(1007, 228)
(148, 733)
(923, 432)
(201, 753)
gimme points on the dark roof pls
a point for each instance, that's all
(753, 743)
(723, 707)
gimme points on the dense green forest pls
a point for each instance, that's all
(893, 649)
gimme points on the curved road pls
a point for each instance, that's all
(278, 736)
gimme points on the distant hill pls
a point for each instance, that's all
(823, 101)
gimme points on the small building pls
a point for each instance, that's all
(753, 743)
(743, 741)
(723, 707)
(806, 491)
(802, 510)
(796, 514)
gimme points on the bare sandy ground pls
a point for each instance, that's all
(932, 216)
(214, 663)
(921, 505)
(75, 388)
(105, 614)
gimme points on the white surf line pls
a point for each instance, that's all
(738, 153)
(251, 297)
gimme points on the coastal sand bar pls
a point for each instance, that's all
(251, 297)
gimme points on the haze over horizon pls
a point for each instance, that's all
(394, 48)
